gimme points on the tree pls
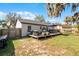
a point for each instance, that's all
(39, 18)
(70, 20)
(2, 23)
(73, 19)
(11, 19)
(55, 9)
(48, 22)
(67, 20)
(76, 15)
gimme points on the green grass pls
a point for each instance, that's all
(8, 50)
(70, 43)
(60, 45)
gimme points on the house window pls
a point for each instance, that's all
(29, 28)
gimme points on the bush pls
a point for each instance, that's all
(76, 26)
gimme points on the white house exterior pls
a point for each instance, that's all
(29, 25)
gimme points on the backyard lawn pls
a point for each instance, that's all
(60, 45)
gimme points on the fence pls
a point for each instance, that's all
(13, 33)
(72, 30)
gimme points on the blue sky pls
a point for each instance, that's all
(29, 10)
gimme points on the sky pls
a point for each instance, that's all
(29, 10)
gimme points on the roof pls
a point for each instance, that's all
(27, 21)
(55, 24)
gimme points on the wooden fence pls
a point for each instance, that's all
(13, 33)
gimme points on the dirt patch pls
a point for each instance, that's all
(36, 48)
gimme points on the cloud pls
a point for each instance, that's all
(54, 20)
(26, 15)
(23, 12)
(2, 15)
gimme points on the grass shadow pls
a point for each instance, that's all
(49, 37)
(21, 38)
(65, 34)
(9, 50)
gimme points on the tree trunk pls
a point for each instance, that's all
(8, 32)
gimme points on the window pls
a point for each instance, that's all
(29, 28)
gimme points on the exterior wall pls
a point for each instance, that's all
(35, 27)
(51, 27)
(25, 28)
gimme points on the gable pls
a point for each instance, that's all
(18, 24)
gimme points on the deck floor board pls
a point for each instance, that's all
(44, 35)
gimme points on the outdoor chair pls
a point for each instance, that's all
(36, 32)
(45, 32)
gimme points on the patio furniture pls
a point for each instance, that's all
(45, 32)
(36, 32)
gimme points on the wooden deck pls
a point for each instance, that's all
(43, 36)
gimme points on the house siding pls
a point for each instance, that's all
(25, 28)
(34, 26)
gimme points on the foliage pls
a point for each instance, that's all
(72, 20)
(8, 50)
(68, 20)
(57, 45)
(55, 9)
(48, 22)
(76, 26)
(2, 23)
(76, 15)
(11, 19)
(39, 18)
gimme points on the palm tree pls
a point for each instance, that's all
(76, 15)
(39, 18)
(55, 9)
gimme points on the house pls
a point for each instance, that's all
(28, 25)
(25, 26)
